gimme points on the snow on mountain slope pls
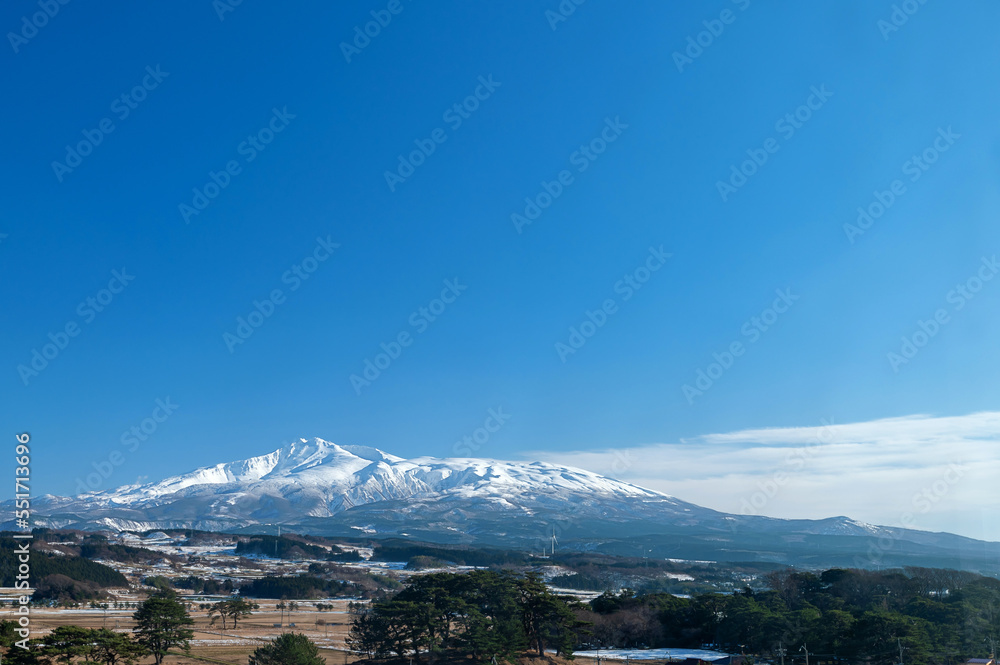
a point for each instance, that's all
(317, 478)
(299, 463)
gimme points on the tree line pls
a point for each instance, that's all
(401, 550)
(44, 564)
(301, 587)
(282, 548)
(839, 616)
(937, 617)
(201, 585)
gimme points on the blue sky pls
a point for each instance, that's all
(640, 125)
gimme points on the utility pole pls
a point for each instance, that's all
(781, 653)
(805, 648)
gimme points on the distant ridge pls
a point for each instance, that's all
(319, 487)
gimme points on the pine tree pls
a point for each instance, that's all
(238, 607)
(111, 648)
(162, 623)
(66, 643)
(287, 649)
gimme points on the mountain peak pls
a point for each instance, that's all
(327, 451)
(318, 478)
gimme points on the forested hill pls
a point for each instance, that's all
(936, 616)
(55, 576)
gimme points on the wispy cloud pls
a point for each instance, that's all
(941, 471)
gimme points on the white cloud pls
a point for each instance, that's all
(942, 471)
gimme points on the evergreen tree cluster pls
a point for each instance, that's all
(161, 624)
(69, 644)
(58, 577)
(401, 550)
(481, 614)
(204, 585)
(287, 649)
(124, 553)
(938, 617)
(284, 548)
(303, 586)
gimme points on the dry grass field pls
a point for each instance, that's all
(210, 641)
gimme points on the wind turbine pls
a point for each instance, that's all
(555, 541)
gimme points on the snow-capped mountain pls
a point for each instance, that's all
(319, 479)
(319, 487)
